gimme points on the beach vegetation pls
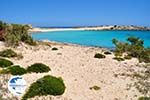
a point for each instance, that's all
(128, 57)
(134, 48)
(142, 84)
(8, 53)
(38, 68)
(95, 87)
(3, 29)
(98, 55)
(119, 58)
(5, 63)
(118, 54)
(107, 52)
(13, 34)
(14, 70)
(144, 98)
(120, 47)
(54, 48)
(48, 85)
(141, 80)
(19, 56)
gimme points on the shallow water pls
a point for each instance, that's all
(92, 38)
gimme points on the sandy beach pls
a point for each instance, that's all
(92, 28)
(75, 50)
(80, 71)
(68, 29)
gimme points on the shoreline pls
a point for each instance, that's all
(74, 44)
(98, 28)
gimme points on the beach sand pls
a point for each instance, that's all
(94, 28)
(80, 71)
(70, 29)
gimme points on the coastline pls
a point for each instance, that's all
(79, 67)
(75, 44)
(95, 28)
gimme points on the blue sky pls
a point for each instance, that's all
(76, 12)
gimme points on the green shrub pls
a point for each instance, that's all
(145, 56)
(17, 70)
(118, 58)
(38, 68)
(54, 48)
(118, 54)
(8, 53)
(144, 98)
(3, 26)
(134, 48)
(5, 63)
(121, 47)
(48, 85)
(14, 70)
(107, 52)
(15, 33)
(127, 57)
(135, 41)
(11, 40)
(98, 55)
(28, 39)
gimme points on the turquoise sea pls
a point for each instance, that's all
(92, 38)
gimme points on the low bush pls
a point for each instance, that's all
(107, 53)
(144, 98)
(38, 68)
(5, 63)
(48, 85)
(54, 48)
(127, 57)
(118, 54)
(119, 58)
(8, 53)
(14, 70)
(11, 40)
(145, 56)
(133, 47)
(28, 39)
(98, 55)
(17, 70)
(13, 34)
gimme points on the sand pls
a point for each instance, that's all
(90, 28)
(69, 29)
(80, 71)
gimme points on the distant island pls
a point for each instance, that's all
(91, 28)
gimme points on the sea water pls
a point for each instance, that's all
(92, 38)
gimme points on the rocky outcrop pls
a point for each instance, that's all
(117, 27)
